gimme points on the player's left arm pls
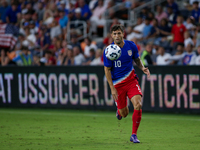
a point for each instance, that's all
(141, 66)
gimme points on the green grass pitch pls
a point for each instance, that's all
(33, 129)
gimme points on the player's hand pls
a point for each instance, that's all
(114, 93)
(146, 71)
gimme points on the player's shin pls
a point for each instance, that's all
(136, 118)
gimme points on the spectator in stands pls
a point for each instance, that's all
(30, 8)
(171, 3)
(62, 56)
(78, 56)
(146, 55)
(90, 58)
(154, 53)
(88, 47)
(71, 10)
(107, 40)
(197, 61)
(171, 16)
(78, 19)
(11, 15)
(160, 14)
(97, 60)
(25, 58)
(70, 58)
(4, 58)
(179, 51)
(147, 30)
(49, 58)
(56, 15)
(196, 11)
(129, 30)
(188, 57)
(43, 39)
(33, 28)
(55, 29)
(3, 9)
(154, 29)
(137, 30)
(40, 11)
(93, 4)
(22, 28)
(144, 13)
(97, 16)
(191, 1)
(65, 45)
(74, 42)
(63, 7)
(110, 13)
(151, 16)
(163, 31)
(36, 51)
(27, 15)
(59, 58)
(58, 46)
(35, 19)
(190, 26)
(160, 60)
(178, 31)
(187, 39)
(36, 60)
(63, 19)
(31, 38)
(135, 40)
(48, 17)
(197, 36)
(115, 21)
(21, 38)
(85, 11)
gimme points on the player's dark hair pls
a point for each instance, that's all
(117, 27)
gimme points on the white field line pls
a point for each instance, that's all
(89, 115)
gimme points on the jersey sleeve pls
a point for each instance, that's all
(135, 50)
(106, 61)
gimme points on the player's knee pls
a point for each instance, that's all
(138, 106)
(124, 113)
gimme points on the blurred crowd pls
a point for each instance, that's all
(168, 36)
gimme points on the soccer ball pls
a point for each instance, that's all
(113, 52)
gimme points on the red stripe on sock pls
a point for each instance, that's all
(136, 118)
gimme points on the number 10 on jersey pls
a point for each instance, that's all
(118, 63)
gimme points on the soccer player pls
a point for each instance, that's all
(122, 79)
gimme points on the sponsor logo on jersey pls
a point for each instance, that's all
(130, 52)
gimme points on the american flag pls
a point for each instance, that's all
(8, 33)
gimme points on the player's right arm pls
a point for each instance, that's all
(109, 79)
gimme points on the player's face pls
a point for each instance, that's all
(117, 36)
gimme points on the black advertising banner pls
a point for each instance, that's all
(169, 89)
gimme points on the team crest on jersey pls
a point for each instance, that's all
(130, 52)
